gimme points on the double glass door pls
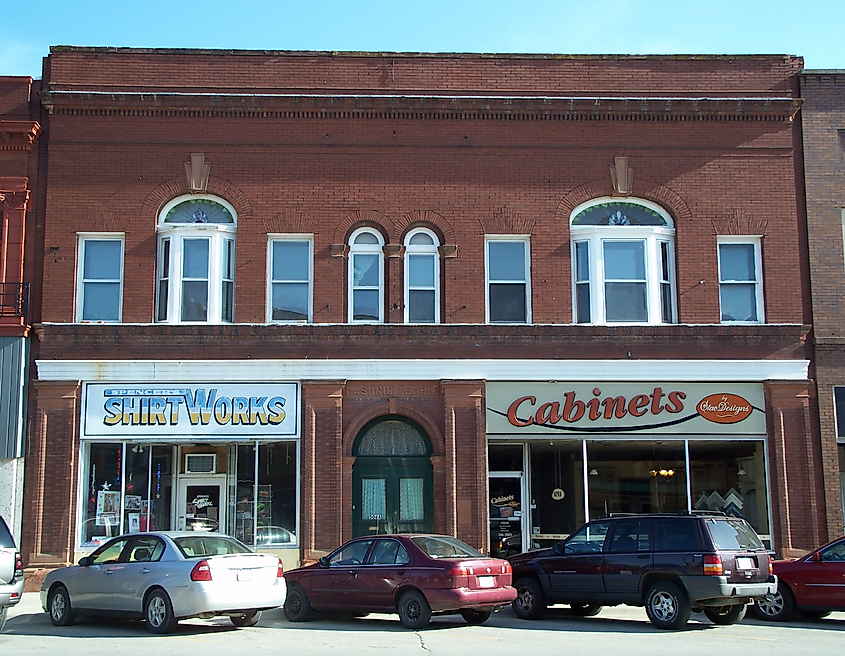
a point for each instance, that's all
(392, 495)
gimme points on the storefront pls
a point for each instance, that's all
(560, 454)
(214, 457)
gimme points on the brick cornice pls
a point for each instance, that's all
(18, 134)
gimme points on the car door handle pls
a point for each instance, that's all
(400, 572)
(109, 571)
(145, 571)
(353, 573)
(643, 557)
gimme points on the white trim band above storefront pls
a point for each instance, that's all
(491, 370)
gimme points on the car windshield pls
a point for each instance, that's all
(209, 545)
(733, 535)
(446, 547)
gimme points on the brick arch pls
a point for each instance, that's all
(175, 187)
(361, 219)
(645, 189)
(424, 219)
(435, 436)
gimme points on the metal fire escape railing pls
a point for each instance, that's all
(14, 299)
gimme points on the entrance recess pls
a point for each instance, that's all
(201, 503)
(392, 484)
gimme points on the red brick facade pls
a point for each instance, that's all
(467, 146)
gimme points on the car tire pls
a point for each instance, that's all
(297, 604)
(777, 607)
(414, 611)
(585, 610)
(724, 615)
(667, 605)
(59, 607)
(249, 618)
(475, 616)
(158, 612)
(815, 614)
(530, 602)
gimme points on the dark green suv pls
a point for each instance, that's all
(671, 564)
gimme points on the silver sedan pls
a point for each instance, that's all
(165, 577)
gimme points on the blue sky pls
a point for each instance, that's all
(812, 29)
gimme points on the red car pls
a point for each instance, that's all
(813, 585)
(412, 575)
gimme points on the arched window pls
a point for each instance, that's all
(196, 261)
(623, 262)
(366, 276)
(422, 277)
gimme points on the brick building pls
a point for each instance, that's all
(298, 297)
(823, 127)
(19, 166)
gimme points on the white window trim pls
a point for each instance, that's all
(273, 237)
(756, 241)
(596, 236)
(82, 237)
(526, 239)
(377, 249)
(217, 234)
(411, 249)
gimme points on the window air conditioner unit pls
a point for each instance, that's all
(200, 463)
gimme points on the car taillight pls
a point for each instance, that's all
(713, 565)
(506, 568)
(771, 566)
(201, 571)
(280, 572)
(18, 566)
(459, 576)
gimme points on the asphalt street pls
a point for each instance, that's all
(621, 630)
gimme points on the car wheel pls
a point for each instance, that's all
(724, 615)
(815, 614)
(667, 605)
(585, 610)
(297, 605)
(475, 616)
(414, 611)
(776, 607)
(530, 602)
(158, 611)
(58, 605)
(249, 618)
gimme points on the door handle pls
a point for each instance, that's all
(400, 572)
(353, 573)
(145, 571)
(109, 571)
(643, 557)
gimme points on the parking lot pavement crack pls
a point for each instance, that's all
(422, 642)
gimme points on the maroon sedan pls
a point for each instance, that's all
(412, 575)
(813, 585)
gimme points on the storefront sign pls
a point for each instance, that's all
(257, 410)
(676, 408)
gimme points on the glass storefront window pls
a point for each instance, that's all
(102, 508)
(136, 497)
(730, 477)
(636, 477)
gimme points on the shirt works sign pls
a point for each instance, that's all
(638, 408)
(242, 410)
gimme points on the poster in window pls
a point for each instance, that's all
(108, 503)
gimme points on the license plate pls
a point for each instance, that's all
(248, 574)
(486, 581)
(745, 563)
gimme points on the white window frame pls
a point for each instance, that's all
(82, 238)
(651, 237)
(218, 235)
(756, 241)
(526, 241)
(424, 249)
(362, 249)
(271, 239)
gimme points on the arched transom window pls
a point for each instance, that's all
(422, 277)
(196, 261)
(623, 262)
(366, 276)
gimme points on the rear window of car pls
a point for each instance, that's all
(733, 535)
(674, 534)
(209, 545)
(445, 547)
(6, 539)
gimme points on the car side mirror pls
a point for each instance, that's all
(84, 561)
(558, 549)
(324, 561)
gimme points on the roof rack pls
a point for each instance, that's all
(705, 513)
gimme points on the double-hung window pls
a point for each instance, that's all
(195, 279)
(740, 280)
(366, 277)
(508, 283)
(290, 266)
(100, 278)
(422, 277)
(623, 266)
